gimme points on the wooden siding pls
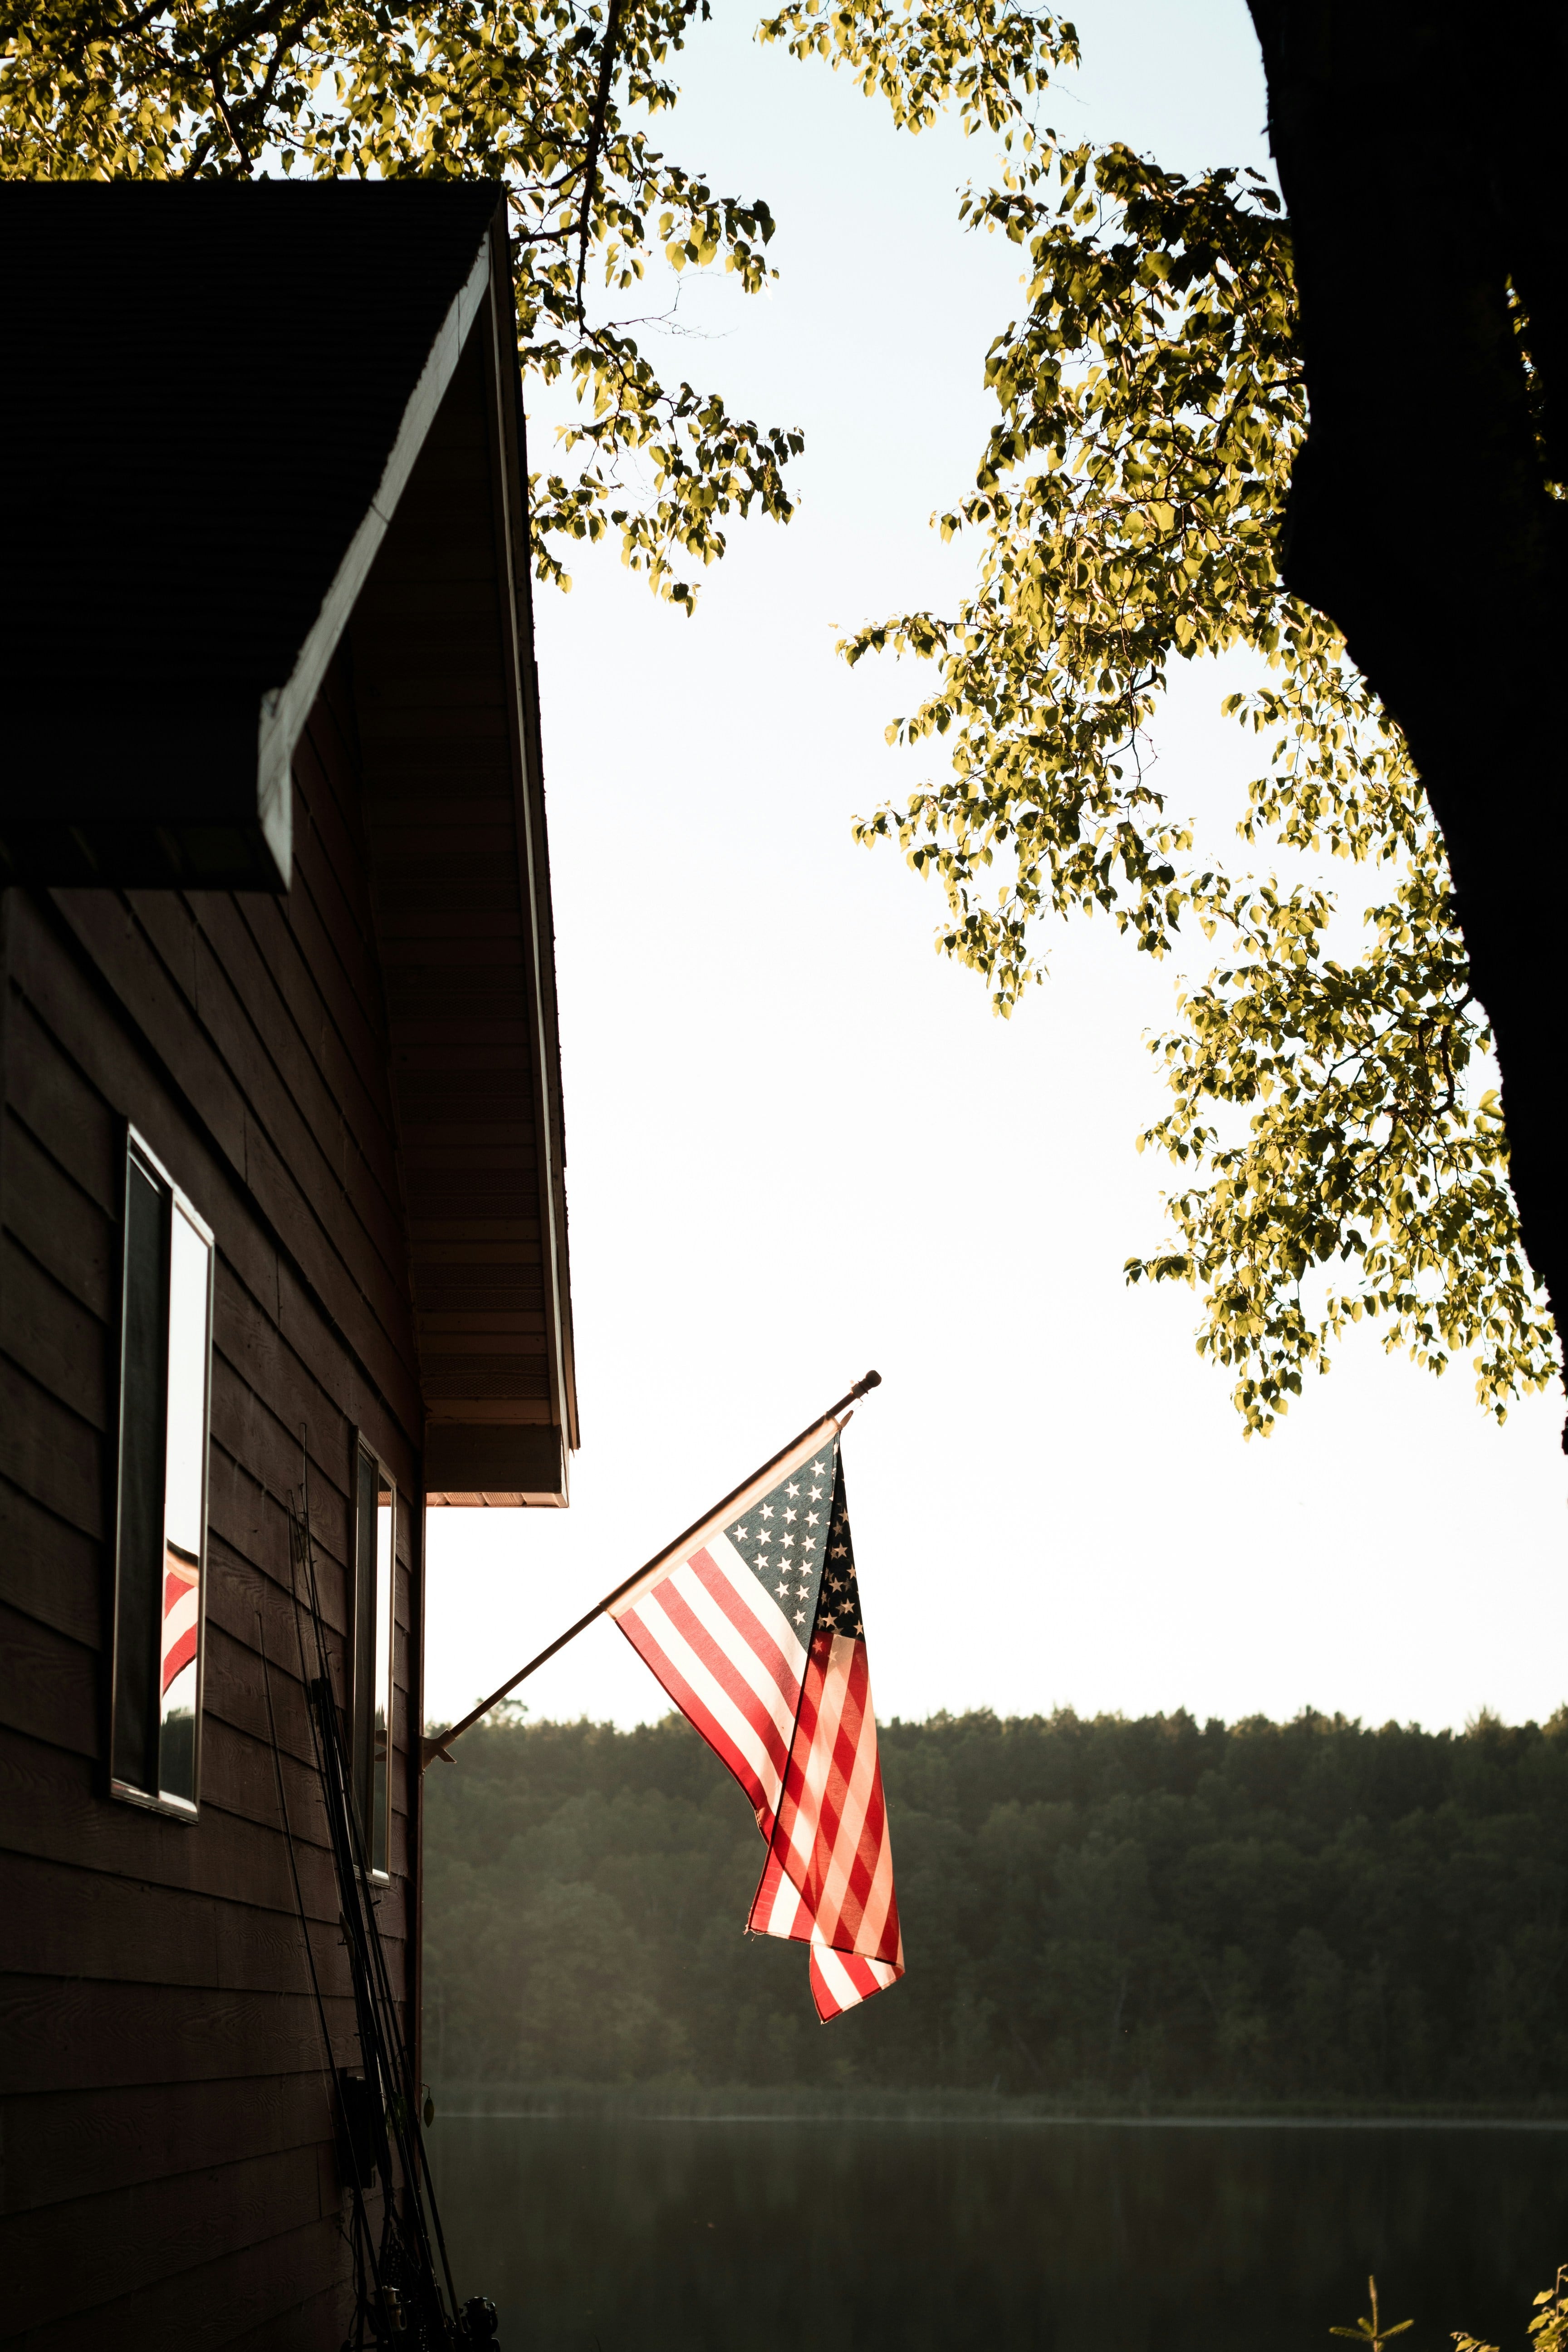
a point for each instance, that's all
(169, 2174)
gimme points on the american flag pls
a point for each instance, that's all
(754, 1629)
(182, 1611)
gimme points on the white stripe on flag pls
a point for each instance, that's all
(835, 1975)
(808, 1813)
(731, 1643)
(181, 1618)
(787, 1911)
(693, 1671)
(880, 1896)
(762, 1605)
(852, 1821)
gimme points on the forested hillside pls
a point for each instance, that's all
(1150, 1909)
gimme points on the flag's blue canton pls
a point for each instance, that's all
(840, 1607)
(784, 1539)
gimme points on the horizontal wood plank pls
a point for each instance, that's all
(70, 1922)
(71, 2034)
(292, 939)
(247, 1027)
(396, 1431)
(293, 2291)
(59, 1225)
(74, 2144)
(50, 1452)
(49, 1569)
(75, 2256)
(319, 2323)
(51, 1805)
(388, 1361)
(353, 1082)
(363, 1230)
(48, 1684)
(139, 982)
(74, 1009)
(328, 855)
(47, 1090)
(52, 1336)
(138, 978)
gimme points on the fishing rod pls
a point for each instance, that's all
(360, 2239)
(406, 2297)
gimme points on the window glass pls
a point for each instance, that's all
(376, 1553)
(380, 1783)
(185, 1504)
(143, 1397)
(161, 1515)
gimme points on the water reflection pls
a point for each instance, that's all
(621, 2235)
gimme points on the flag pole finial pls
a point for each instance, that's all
(861, 1388)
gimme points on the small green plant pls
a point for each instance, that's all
(1373, 2331)
(1548, 2328)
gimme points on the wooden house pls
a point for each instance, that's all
(280, 1174)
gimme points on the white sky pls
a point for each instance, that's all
(1051, 1499)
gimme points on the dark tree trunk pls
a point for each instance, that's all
(1418, 152)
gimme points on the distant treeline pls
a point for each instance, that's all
(1154, 1910)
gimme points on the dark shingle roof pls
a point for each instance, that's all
(204, 382)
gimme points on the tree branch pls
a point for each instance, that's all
(596, 138)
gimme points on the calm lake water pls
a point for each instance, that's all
(817, 2235)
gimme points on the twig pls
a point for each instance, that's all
(596, 138)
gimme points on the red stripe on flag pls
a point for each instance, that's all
(817, 1842)
(860, 1864)
(725, 1673)
(177, 1660)
(831, 2003)
(763, 1899)
(863, 1869)
(752, 1629)
(696, 1713)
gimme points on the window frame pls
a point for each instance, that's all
(363, 1574)
(174, 1201)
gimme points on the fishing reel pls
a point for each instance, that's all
(477, 2321)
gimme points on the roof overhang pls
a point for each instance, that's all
(207, 457)
(155, 747)
(446, 704)
(284, 709)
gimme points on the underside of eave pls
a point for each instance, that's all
(459, 885)
(151, 741)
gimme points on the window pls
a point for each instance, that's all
(161, 1494)
(370, 1727)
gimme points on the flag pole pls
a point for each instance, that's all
(439, 1743)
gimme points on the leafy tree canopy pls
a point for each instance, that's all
(558, 99)
(1335, 1160)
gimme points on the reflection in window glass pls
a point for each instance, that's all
(161, 1529)
(380, 1782)
(185, 1512)
(375, 1552)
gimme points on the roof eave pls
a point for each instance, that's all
(284, 709)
